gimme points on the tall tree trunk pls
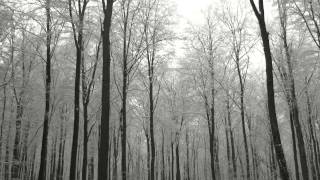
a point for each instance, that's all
(151, 112)
(204, 162)
(163, 169)
(188, 156)
(53, 160)
(115, 154)
(44, 145)
(212, 134)
(103, 153)
(85, 141)
(172, 161)
(7, 174)
(229, 171)
(233, 154)
(3, 116)
(124, 108)
(178, 175)
(242, 111)
(16, 166)
(24, 153)
(294, 147)
(270, 91)
(78, 40)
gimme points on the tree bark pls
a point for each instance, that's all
(43, 159)
(270, 91)
(103, 153)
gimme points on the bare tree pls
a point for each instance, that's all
(103, 154)
(43, 161)
(270, 90)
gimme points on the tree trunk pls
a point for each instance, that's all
(43, 159)
(151, 111)
(172, 161)
(103, 153)
(233, 154)
(163, 169)
(188, 158)
(178, 175)
(7, 174)
(124, 108)
(242, 111)
(270, 91)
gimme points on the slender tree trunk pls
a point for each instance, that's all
(188, 156)
(212, 134)
(148, 156)
(204, 162)
(43, 159)
(16, 166)
(124, 108)
(4, 105)
(172, 161)
(270, 91)
(151, 111)
(233, 154)
(294, 147)
(115, 155)
(78, 39)
(53, 160)
(85, 141)
(163, 169)
(7, 174)
(103, 153)
(229, 171)
(242, 111)
(178, 175)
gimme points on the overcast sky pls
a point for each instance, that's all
(191, 11)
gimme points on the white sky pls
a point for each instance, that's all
(191, 11)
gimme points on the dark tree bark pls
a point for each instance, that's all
(172, 161)
(151, 112)
(53, 160)
(233, 154)
(178, 174)
(103, 153)
(163, 169)
(270, 91)
(78, 40)
(123, 121)
(44, 145)
(86, 93)
(188, 156)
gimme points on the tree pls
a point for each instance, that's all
(103, 154)
(77, 29)
(270, 91)
(240, 47)
(43, 159)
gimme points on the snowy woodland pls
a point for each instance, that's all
(133, 90)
